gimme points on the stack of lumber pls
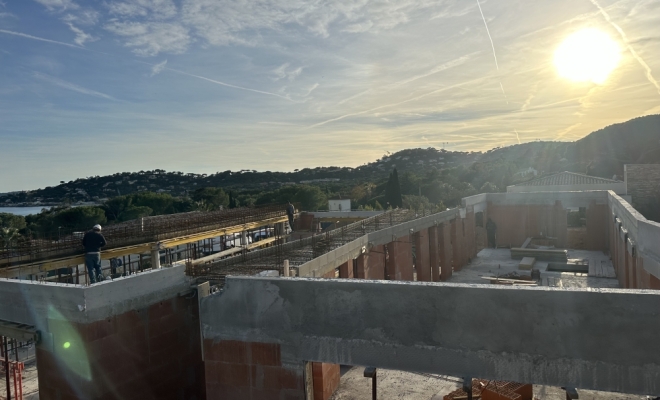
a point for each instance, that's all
(511, 282)
(539, 254)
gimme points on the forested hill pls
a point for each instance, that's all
(602, 153)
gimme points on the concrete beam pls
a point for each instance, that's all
(33, 302)
(590, 339)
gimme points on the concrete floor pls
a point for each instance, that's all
(412, 386)
(495, 262)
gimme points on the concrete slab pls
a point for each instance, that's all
(497, 262)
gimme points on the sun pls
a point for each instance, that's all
(587, 55)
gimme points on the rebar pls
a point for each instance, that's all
(62, 242)
(297, 252)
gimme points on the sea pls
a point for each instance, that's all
(22, 210)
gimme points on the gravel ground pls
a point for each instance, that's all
(412, 386)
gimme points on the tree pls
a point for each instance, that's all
(210, 198)
(11, 221)
(7, 236)
(488, 188)
(233, 203)
(393, 190)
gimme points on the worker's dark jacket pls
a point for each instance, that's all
(289, 210)
(93, 241)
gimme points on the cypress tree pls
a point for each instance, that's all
(397, 199)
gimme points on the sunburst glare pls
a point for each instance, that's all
(587, 55)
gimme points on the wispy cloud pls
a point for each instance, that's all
(152, 38)
(71, 86)
(23, 35)
(81, 36)
(58, 5)
(443, 89)
(284, 72)
(158, 68)
(632, 51)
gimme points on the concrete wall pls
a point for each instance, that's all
(132, 338)
(590, 339)
(618, 188)
(633, 243)
(643, 185)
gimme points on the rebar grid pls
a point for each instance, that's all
(300, 251)
(144, 230)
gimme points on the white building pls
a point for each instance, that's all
(339, 205)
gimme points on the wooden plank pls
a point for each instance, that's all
(527, 241)
(234, 250)
(494, 278)
(221, 232)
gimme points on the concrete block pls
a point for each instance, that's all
(527, 263)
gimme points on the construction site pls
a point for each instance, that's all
(547, 291)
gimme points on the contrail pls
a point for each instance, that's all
(393, 105)
(41, 39)
(229, 85)
(489, 37)
(440, 68)
(142, 62)
(504, 93)
(632, 51)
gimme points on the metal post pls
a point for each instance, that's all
(467, 386)
(6, 350)
(370, 372)
(286, 268)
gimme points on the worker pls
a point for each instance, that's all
(92, 242)
(289, 213)
(491, 229)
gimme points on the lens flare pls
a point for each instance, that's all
(587, 55)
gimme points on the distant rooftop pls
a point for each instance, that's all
(568, 178)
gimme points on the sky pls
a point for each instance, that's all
(95, 87)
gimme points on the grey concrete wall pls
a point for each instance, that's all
(645, 233)
(590, 339)
(618, 188)
(333, 259)
(30, 302)
(643, 183)
(568, 199)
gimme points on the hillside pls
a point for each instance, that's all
(602, 153)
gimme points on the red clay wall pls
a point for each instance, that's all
(434, 254)
(597, 221)
(377, 263)
(399, 263)
(303, 222)
(422, 257)
(346, 270)
(445, 250)
(250, 371)
(326, 380)
(515, 223)
(152, 353)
